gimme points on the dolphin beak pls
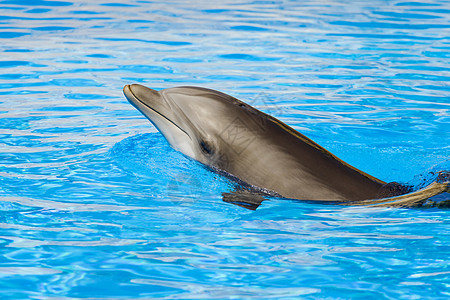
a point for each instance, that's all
(126, 89)
(144, 99)
(150, 103)
(139, 94)
(130, 96)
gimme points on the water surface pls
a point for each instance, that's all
(95, 204)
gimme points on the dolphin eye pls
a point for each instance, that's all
(205, 147)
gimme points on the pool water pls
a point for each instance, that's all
(95, 204)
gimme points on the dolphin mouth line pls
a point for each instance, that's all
(148, 106)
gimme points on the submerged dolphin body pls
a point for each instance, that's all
(232, 137)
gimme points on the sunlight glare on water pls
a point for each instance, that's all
(95, 204)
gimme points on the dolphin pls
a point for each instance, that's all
(252, 147)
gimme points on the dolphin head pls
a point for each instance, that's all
(198, 122)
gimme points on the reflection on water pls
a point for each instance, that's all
(94, 203)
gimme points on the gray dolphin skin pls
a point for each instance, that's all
(231, 136)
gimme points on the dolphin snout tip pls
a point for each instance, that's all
(139, 93)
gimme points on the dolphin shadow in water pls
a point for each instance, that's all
(261, 153)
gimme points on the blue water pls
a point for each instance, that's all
(95, 204)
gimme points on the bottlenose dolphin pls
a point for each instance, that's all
(254, 148)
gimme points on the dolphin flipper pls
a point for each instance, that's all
(244, 198)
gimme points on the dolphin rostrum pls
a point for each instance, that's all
(232, 137)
